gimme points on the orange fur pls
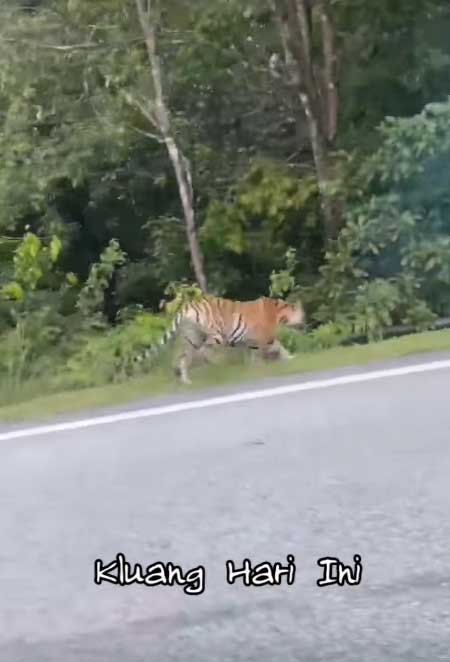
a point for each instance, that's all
(249, 323)
(262, 316)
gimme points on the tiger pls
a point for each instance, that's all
(216, 321)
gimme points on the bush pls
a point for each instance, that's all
(107, 356)
(391, 263)
(35, 332)
(245, 238)
(92, 296)
(326, 336)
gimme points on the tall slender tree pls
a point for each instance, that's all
(158, 114)
(313, 76)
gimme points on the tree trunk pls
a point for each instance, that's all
(294, 18)
(331, 102)
(322, 166)
(158, 113)
(183, 175)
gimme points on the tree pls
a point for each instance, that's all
(81, 158)
(314, 80)
(157, 113)
(394, 59)
(69, 137)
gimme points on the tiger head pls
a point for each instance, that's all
(290, 314)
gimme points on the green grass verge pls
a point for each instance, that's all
(160, 381)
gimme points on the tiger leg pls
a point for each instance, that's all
(193, 341)
(184, 362)
(208, 351)
(207, 354)
(255, 355)
(203, 353)
(275, 349)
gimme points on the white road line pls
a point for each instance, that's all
(226, 400)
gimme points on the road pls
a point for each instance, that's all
(355, 468)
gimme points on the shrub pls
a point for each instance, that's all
(391, 263)
(91, 298)
(107, 356)
(326, 336)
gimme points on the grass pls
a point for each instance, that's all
(160, 382)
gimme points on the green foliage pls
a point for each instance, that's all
(81, 170)
(42, 104)
(91, 297)
(7, 247)
(34, 347)
(32, 261)
(374, 306)
(27, 265)
(408, 146)
(13, 291)
(71, 279)
(222, 84)
(15, 356)
(168, 254)
(326, 336)
(106, 357)
(395, 59)
(35, 326)
(391, 263)
(181, 294)
(268, 198)
(283, 282)
(330, 335)
(270, 210)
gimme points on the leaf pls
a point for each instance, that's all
(13, 291)
(55, 248)
(71, 279)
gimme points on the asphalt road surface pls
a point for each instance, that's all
(357, 468)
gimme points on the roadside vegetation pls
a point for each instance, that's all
(232, 368)
(151, 152)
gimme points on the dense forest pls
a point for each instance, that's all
(150, 150)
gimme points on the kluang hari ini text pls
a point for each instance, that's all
(193, 581)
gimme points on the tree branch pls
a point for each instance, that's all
(147, 19)
(146, 111)
(147, 134)
(88, 45)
